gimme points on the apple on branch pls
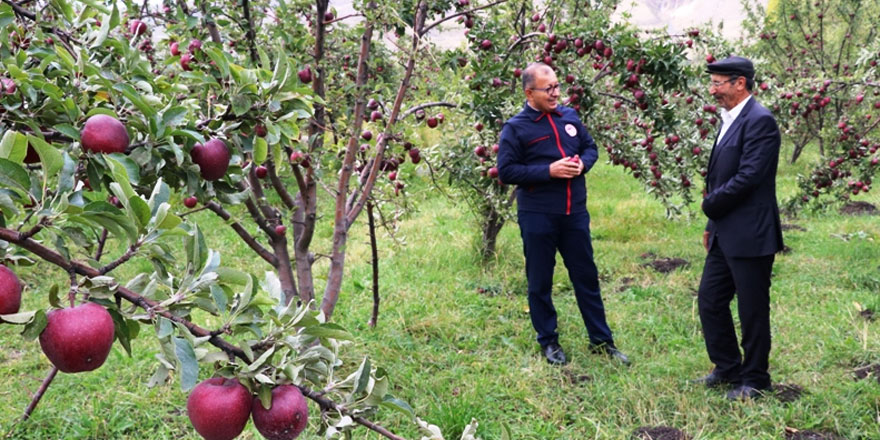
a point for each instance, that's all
(286, 417)
(212, 159)
(79, 338)
(10, 291)
(218, 408)
(104, 134)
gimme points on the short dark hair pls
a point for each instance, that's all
(528, 76)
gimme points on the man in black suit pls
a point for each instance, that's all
(743, 233)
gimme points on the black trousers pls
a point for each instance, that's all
(749, 279)
(544, 234)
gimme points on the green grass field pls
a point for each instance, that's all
(457, 341)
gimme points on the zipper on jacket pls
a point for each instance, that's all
(562, 152)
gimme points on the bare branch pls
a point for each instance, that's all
(412, 110)
(450, 17)
(239, 229)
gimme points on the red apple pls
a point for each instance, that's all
(7, 85)
(78, 338)
(137, 27)
(517, 72)
(432, 122)
(375, 115)
(392, 176)
(218, 408)
(104, 134)
(261, 172)
(415, 156)
(260, 130)
(10, 291)
(367, 135)
(305, 75)
(493, 172)
(190, 202)
(175, 48)
(280, 229)
(296, 157)
(195, 45)
(478, 126)
(486, 44)
(212, 159)
(185, 60)
(285, 418)
(372, 104)
(328, 16)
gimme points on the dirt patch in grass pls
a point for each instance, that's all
(787, 392)
(868, 370)
(626, 283)
(793, 227)
(868, 314)
(659, 433)
(859, 208)
(666, 265)
(797, 434)
(575, 379)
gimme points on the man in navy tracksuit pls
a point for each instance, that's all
(546, 150)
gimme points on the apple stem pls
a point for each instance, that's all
(43, 387)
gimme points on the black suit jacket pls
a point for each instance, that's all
(740, 196)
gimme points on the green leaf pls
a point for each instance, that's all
(49, 155)
(64, 7)
(219, 60)
(18, 318)
(120, 330)
(241, 104)
(265, 393)
(329, 330)
(363, 376)
(65, 57)
(12, 175)
(164, 328)
(261, 150)
(135, 97)
(255, 365)
(33, 329)
(13, 146)
(194, 135)
(121, 176)
(174, 116)
(103, 9)
(139, 209)
(392, 402)
(189, 367)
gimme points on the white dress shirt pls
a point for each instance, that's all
(727, 117)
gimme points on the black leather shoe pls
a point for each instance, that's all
(744, 392)
(612, 352)
(554, 354)
(712, 380)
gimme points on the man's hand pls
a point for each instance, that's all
(566, 168)
(706, 240)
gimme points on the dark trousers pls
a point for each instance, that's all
(749, 279)
(543, 235)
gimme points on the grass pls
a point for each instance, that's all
(454, 353)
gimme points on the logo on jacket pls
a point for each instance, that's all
(571, 130)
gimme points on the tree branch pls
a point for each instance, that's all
(21, 11)
(412, 110)
(239, 229)
(426, 29)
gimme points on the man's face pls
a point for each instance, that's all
(545, 92)
(726, 90)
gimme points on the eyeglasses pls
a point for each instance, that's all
(548, 89)
(717, 84)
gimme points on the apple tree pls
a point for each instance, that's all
(118, 121)
(639, 94)
(821, 63)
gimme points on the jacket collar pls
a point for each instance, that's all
(536, 115)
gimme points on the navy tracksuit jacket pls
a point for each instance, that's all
(553, 214)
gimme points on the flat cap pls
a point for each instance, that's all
(733, 66)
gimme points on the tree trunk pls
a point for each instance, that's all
(492, 221)
(374, 249)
